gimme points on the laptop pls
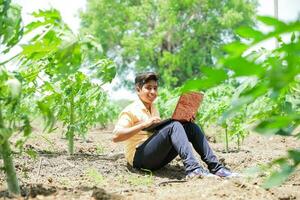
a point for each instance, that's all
(186, 109)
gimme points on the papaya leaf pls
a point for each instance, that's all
(105, 70)
(243, 67)
(211, 77)
(271, 21)
(295, 155)
(278, 177)
(235, 48)
(47, 114)
(250, 33)
(274, 125)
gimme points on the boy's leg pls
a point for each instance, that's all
(200, 144)
(163, 147)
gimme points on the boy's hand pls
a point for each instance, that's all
(152, 120)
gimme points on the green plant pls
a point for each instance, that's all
(166, 101)
(100, 149)
(56, 60)
(65, 181)
(281, 168)
(137, 180)
(47, 76)
(94, 176)
(12, 118)
(276, 75)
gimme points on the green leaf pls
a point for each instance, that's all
(212, 77)
(287, 107)
(32, 153)
(275, 124)
(271, 21)
(105, 70)
(293, 37)
(295, 155)
(26, 127)
(243, 67)
(235, 48)
(34, 25)
(216, 75)
(277, 178)
(236, 106)
(51, 15)
(250, 33)
(286, 131)
(261, 88)
(191, 85)
(47, 114)
(11, 30)
(5, 134)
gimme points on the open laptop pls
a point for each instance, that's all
(185, 111)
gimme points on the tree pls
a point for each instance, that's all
(172, 37)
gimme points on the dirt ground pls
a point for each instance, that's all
(98, 170)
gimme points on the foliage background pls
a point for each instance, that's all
(172, 37)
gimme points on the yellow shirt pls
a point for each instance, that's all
(134, 114)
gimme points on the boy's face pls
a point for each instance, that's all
(148, 92)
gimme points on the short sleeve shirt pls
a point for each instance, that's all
(134, 114)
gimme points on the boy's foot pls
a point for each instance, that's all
(225, 173)
(199, 173)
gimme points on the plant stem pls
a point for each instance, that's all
(11, 177)
(226, 140)
(9, 59)
(71, 126)
(238, 141)
(9, 168)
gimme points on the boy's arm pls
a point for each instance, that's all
(122, 133)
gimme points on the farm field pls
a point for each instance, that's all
(98, 170)
(56, 87)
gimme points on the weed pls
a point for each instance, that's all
(138, 180)
(94, 176)
(100, 149)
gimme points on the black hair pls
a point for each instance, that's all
(142, 78)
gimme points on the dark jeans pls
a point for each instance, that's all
(172, 140)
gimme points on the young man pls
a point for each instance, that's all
(154, 150)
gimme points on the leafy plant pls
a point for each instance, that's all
(276, 74)
(137, 180)
(281, 168)
(10, 120)
(12, 117)
(47, 78)
(11, 30)
(166, 101)
(56, 59)
(94, 176)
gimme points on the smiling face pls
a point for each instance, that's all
(148, 92)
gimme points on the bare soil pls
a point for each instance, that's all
(98, 170)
